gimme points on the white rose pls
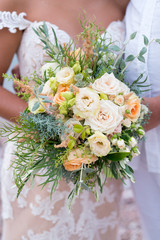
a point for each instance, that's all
(110, 85)
(107, 119)
(53, 66)
(87, 103)
(99, 144)
(65, 76)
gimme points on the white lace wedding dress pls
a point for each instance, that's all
(34, 216)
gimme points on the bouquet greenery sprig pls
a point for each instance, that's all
(83, 120)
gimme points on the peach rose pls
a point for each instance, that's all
(133, 107)
(75, 159)
(58, 98)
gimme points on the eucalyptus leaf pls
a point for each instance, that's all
(89, 170)
(114, 48)
(36, 106)
(40, 88)
(141, 59)
(146, 41)
(143, 51)
(130, 58)
(133, 35)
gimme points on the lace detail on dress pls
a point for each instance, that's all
(13, 21)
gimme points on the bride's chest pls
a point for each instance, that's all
(31, 54)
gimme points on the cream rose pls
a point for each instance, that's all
(110, 85)
(65, 76)
(53, 66)
(99, 144)
(107, 119)
(47, 89)
(87, 103)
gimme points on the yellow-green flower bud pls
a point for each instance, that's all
(53, 84)
(103, 96)
(67, 95)
(71, 102)
(63, 108)
(77, 67)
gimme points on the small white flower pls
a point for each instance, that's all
(121, 144)
(132, 142)
(119, 100)
(135, 152)
(126, 122)
(126, 149)
(65, 76)
(140, 132)
(99, 144)
(114, 141)
(54, 66)
(87, 103)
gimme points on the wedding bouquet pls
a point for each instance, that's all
(83, 119)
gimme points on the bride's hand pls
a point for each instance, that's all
(154, 106)
(16, 72)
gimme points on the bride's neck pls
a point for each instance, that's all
(65, 14)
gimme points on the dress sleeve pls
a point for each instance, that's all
(13, 21)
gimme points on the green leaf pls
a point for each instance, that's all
(89, 170)
(77, 128)
(71, 144)
(141, 59)
(114, 48)
(143, 51)
(45, 29)
(36, 106)
(107, 172)
(83, 135)
(117, 156)
(133, 35)
(146, 41)
(130, 58)
(85, 186)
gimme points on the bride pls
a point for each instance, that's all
(34, 216)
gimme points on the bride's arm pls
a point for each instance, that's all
(154, 106)
(10, 104)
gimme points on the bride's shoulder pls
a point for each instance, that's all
(12, 16)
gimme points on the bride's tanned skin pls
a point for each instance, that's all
(62, 13)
